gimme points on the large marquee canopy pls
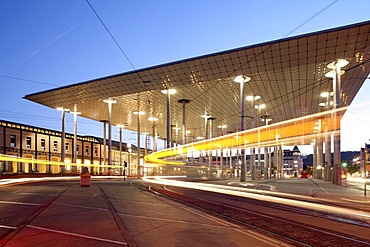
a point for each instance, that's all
(288, 74)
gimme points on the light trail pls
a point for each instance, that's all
(49, 162)
(243, 192)
(298, 130)
(30, 180)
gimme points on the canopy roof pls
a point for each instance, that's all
(288, 74)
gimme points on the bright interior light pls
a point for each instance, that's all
(206, 116)
(200, 138)
(322, 104)
(222, 126)
(324, 94)
(262, 106)
(139, 112)
(242, 79)
(110, 101)
(171, 91)
(251, 97)
(340, 63)
(62, 108)
(153, 119)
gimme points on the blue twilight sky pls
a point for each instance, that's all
(52, 43)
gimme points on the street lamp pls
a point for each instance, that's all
(63, 110)
(110, 102)
(75, 113)
(154, 119)
(183, 102)
(241, 79)
(206, 117)
(222, 127)
(335, 74)
(120, 126)
(138, 113)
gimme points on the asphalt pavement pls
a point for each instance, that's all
(115, 213)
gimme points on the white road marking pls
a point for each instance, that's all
(22, 203)
(77, 235)
(8, 227)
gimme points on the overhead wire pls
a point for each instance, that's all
(22, 79)
(110, 34)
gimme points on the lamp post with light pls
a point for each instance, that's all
(183, 132)
(168, 92)
(110, 102)
(328, 161)
(120, 126)
(138, 113)
(252, 160)
(335, 74)
(154, 142)
(241, 79)
(63, 146)
(75, 114)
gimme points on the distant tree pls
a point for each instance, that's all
(352, 169)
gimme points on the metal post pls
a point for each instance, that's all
(109, 136)
(183, 102)
(138, 137)
(242, 153)
(102, 169)
(336, 75)
(75, 113)
(63, 146)
(168, 123)
(120, 150)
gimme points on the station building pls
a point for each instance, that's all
(31, 143)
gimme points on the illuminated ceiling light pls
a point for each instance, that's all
(222, 126)
(75, 112)
(322, 104)
(331, 103)
(139, 112)
(63, 109)
(171, 91)
(251, 97)
(200, 138)
(206, 116)
(267, 119)
(340, 63)
(261, 106)
(187, 132)
(111, 101)
(332, 73)
(242, 79)
(153, 119)
(324, 94)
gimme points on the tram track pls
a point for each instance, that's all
(295, 232)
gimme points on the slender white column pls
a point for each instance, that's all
(63, 145)
(75, 114)
(336, 75)
(109, 102)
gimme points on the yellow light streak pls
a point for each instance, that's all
(46, 162)
(298, 130)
